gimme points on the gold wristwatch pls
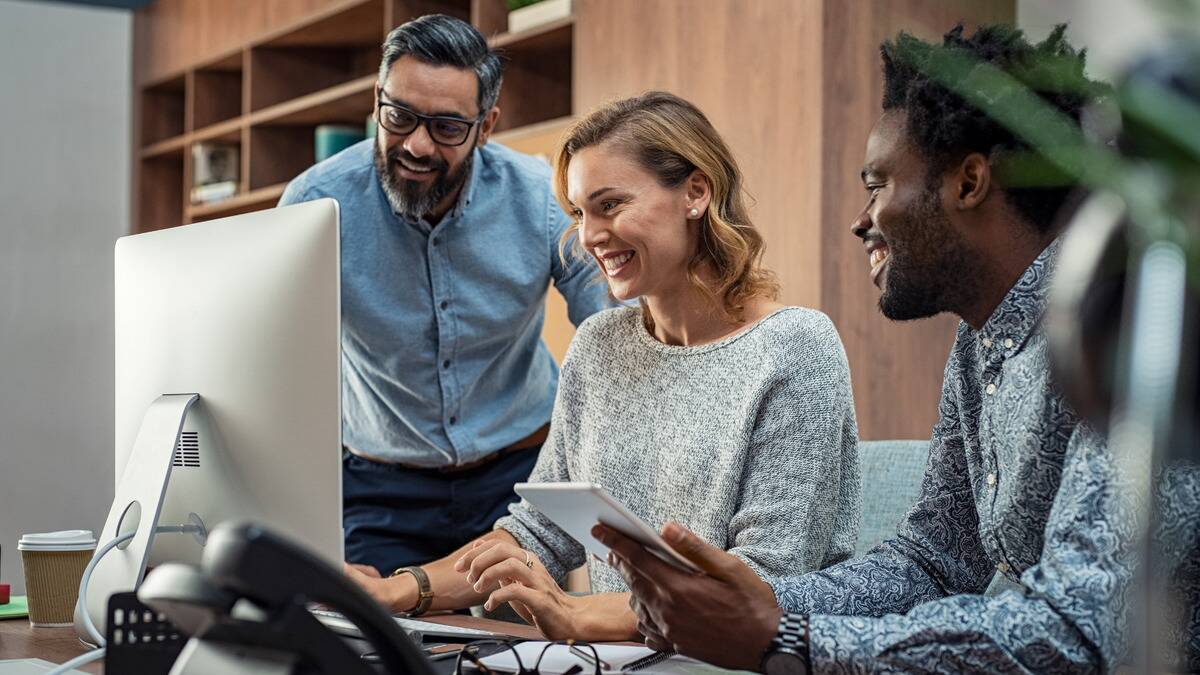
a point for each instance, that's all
(424, 590)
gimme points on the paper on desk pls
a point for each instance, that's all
(559, 659)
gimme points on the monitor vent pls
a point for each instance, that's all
(187, 452)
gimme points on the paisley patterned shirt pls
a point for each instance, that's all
(1016, 484)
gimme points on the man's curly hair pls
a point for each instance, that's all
(946, 128)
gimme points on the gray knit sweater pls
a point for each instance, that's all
(750, 442)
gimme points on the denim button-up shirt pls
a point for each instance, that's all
(442, 356)
(1016, 484)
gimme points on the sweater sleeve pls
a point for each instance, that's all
(556, 549)
(800, 498)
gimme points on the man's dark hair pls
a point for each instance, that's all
(441, 40)
(946, 128)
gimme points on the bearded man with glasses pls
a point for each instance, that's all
(448, 245)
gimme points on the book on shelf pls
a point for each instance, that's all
(214, 171)
(330, 139)
(214, 192)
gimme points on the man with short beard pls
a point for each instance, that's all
(1016, 484)
(448, 245)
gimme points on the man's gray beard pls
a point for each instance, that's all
(407, 197)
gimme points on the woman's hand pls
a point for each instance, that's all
(513, 575)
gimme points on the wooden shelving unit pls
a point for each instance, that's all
(268, 96)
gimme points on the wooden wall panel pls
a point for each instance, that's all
(896, 367)
(747, 66)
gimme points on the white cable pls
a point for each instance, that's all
(78, 661)
(81, 601)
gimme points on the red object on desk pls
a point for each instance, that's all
(5, 590)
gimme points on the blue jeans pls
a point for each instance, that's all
(395, 516)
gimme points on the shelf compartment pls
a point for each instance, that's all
(348, 103)
(282, 74)
(162, 111)
(255, 200)
(279, 153)
(550, 35)
(333, 50)
(537, 75)
(216, 91)
(160, 192)
(358, 23)
(225, 131)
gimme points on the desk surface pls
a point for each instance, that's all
(18, 640)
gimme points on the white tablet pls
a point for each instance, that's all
(577, 507)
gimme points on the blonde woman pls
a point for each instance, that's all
(711, 404)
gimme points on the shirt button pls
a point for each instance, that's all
(1008, 343)
(435, 241)
(1003, 567)
(446, 363)
(991, 388)
(444, 304)
(987, 342)
(991, 478)
(453, 420)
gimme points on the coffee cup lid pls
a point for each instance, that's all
(65, 540)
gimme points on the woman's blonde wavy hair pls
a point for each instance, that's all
(671, 138)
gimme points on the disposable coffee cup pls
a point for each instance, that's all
(54, 564)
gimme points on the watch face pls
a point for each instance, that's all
(784, 662)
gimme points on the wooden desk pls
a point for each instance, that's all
(18, 640)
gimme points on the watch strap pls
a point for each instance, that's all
(792, 636)
(424, 590)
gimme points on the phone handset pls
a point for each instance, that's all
(248, 603)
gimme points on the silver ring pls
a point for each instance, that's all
(528, 560)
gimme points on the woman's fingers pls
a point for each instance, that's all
(520, 608)
(509, 569)
(539, 608)
(478, 546)
(494, 556)
(532, 600)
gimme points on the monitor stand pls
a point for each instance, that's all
(136, 507)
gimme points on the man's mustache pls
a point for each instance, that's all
(394, 156)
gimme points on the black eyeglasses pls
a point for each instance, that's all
(449, 131)
(475, 652)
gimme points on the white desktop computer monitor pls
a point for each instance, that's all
(245, 313)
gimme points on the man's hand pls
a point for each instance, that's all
(366, 569)
(726, 615)
(392, 593)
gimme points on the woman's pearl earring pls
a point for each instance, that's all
(695, 213)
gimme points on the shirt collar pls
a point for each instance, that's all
(1018, 315)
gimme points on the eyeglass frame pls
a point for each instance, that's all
(511, 645)
(422, 120)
